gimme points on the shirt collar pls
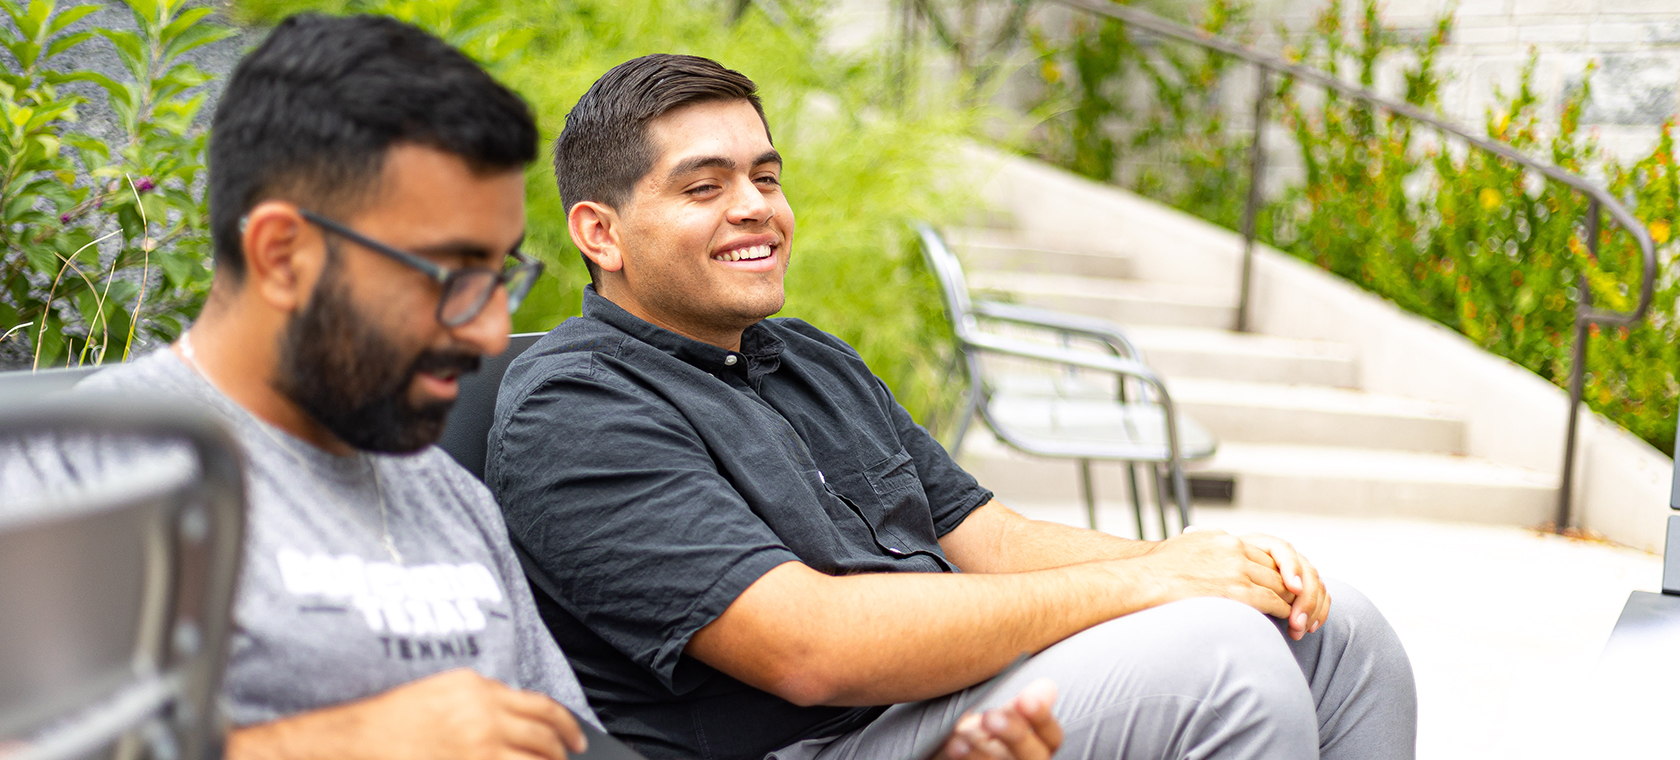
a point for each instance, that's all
(761, 351)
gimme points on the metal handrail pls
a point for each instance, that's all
(1599, 199)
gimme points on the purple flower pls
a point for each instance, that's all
(63, 218)
(145, 184)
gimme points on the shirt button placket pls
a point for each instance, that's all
(730, 360)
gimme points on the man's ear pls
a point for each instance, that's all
(596, 230)
(284, 255)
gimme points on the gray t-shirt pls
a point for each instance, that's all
(327, 610)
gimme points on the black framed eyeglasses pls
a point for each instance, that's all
(465, 290)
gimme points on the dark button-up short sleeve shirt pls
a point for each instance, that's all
(650, 479)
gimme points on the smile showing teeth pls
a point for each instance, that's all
(744, 254)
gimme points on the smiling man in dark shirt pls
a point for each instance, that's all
(748, 548)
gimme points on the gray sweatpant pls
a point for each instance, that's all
(1201, 678)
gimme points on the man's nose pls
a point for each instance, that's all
(748, 204)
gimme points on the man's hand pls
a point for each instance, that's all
(1214, 563)
(1024, 729)
(1312, 601)
(455, 715)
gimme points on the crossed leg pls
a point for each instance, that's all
(1201, 678)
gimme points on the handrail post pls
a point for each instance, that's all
(1256, 178)
(1577, 377)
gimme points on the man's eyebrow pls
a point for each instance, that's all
(700, 162)
(718, 162)
(461, 249)
(466, 249)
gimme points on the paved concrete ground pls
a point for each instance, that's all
(1503, 625)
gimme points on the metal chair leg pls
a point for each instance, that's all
(1163, 489)
(1181, 487)
(1089, 491)
(970, 405)
(1137, 499)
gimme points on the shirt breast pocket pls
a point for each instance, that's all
(901, 504)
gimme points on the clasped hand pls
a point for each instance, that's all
(1262, 571)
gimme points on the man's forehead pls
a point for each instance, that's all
(433, 202)
(727, 129)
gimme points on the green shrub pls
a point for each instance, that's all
(103, 241)
(1461, 237)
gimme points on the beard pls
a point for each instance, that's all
(352, 379)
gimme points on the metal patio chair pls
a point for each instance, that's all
(115, 602)
(1096, 405)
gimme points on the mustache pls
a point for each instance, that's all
(441, 362)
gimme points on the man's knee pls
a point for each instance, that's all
(1207, 641)
(1351, 607)
(1357, 627)
(1207, 649)
(1200, 677)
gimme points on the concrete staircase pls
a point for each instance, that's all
(1297, 433)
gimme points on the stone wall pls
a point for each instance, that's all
(1636, 44)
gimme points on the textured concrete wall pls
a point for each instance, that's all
(1635, 42)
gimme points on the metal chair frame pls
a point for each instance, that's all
(194, 528)
(1122, 360)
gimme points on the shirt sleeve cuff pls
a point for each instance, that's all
(973, 500)
(712, 604)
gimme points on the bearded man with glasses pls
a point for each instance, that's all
(367, 203)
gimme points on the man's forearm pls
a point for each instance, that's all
(329, 732)
(446, 716)
(886, 638)
(996, 539)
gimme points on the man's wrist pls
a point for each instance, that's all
(1123, 586)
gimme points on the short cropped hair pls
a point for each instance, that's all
(310, 115)
(604, 149)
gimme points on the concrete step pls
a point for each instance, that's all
(1302, 479)
(992, 249)
(1239, 412)
(1245, 357)
(1254, 412)
(1367, 483)
(1127, 302)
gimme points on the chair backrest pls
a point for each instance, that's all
(18, 386)
(116, 602)
(467, 429)
(952, 285)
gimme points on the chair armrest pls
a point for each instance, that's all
(1089, 327)
(988, 343)
(1070, 358)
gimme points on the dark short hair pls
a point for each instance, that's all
(310, 115)
(604, 147)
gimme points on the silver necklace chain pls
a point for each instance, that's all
(373, 469)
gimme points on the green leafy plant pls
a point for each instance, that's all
(1464, 238)
(104, 239)
(1119, 108)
